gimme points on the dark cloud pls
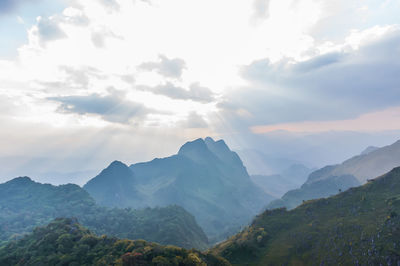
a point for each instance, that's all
(112, 107)
(100, 36)
(76, 78)
(166, 67)
(195, 93)
(49, 29)
(130, 79)
(327, 87)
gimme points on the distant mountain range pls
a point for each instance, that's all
(332, 179)
(25, 204)
(371, 163)
(358, 227)
(205, 177)
(259, 163)
(277, 185)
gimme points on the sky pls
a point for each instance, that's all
(83, 83)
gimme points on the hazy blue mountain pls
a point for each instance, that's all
(369, 149)
(260, 163)
(277, 185)
(205, 177)
(319, 189)
(357, 170)
(114, 186)
(368, 165)
(25, 204)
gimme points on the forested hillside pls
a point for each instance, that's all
(25, 204)
(66, 242)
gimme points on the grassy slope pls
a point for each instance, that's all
(361, 225)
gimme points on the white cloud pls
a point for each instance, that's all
(195, 92)
(165, 66)
(291, 49)
(337, 85)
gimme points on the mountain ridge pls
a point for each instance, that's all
(353, 172)
(205, 177)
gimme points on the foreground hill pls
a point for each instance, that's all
(332, 179)
(358, 227)
(25, 204)
(205, 177)
(65, 242)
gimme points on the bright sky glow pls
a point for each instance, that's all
(182, 69)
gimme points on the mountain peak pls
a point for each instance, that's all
(369, 149)
(117, 164)
(209, 139)
(193, 148)
(21, 180)
(115, 171)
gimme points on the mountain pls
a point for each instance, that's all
(260, 163)
(66, 242)
(369, 149)
(358, 227)
(331, 179)
(318, 189)
(25, 204)
(205, 177)
(114, 186)
(365, 166)
(278, 184)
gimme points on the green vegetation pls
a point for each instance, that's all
(65, 242)
(25, 204)
(358, 227)
(205, 177)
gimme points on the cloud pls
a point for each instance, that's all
(7, 106)
(74, 16)
(76, 78)
(113, 4)
(195, 93)
(388, 119)
(194, 120)
(261, 8)
(48, 29)
(335, 86)
(100, 36)
(166, 67)
(112, 107)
